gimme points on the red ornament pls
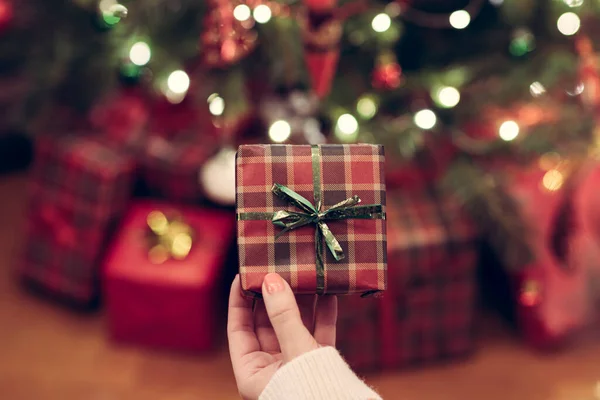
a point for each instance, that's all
(6, 14)
(225, 40)
(387, 76)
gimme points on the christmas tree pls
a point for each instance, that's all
(495, 79)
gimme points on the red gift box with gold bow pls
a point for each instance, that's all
(78, 190)
(162, 275)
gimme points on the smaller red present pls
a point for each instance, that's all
(78, 190)
(428, 310)
(167, 299)
(171, 168)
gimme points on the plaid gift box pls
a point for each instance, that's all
(428, 309)
(170, 168)
(78, 189)
(339, 246)
(174, 304)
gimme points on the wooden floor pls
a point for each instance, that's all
(50, 353)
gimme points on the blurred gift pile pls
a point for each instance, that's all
(487, 110)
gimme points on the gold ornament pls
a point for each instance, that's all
(169, 237)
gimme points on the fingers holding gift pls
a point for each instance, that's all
(284, 314)
(240, 324)
(264, 330)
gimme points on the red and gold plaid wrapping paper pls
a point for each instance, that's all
(171, 168)
(78, 189)
(427, 312)
(346, 170)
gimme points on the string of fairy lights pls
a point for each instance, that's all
(346, 127)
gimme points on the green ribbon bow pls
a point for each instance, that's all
(312, 214)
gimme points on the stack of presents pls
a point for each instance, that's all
(328, 218)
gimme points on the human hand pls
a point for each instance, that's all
(278, 330)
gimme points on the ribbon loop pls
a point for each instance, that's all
(292, 197)
(346, 209)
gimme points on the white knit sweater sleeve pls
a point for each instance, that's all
(321, 374)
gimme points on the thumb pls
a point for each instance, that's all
(294, 339)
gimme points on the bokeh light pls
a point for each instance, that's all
(280, 131)
(347, 124)
(448, 96)
(537, 89)
(178, 82)
(242, 12)
(460, 19)
(262, 14)
(425, 119)
(568, 24)
(509, 130)
(553, 180)
(140, 53)
(381, 22)
(366, 107)
(216, 104)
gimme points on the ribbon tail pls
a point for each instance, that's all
(282, 232)
(320, 263)
(331, 241)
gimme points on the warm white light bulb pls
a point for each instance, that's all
(280, 131)
(497, 3)
(381, 22)
(347, 124)
(366, 107)
(537, 89)
(425, 119)
(241, 12)
(448, 96)
(178, 82)
(553, 180)
(216, 104)
(460, 19)
(140, 53)
(568, 24)
(508, 131)
(262, 14)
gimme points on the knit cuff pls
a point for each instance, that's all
(319, 374)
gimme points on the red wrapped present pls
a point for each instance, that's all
(339, 245)
(79, 189)
(557, 295)
(427, 312)
(549, 293)
(162, 274)
(171, 168)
